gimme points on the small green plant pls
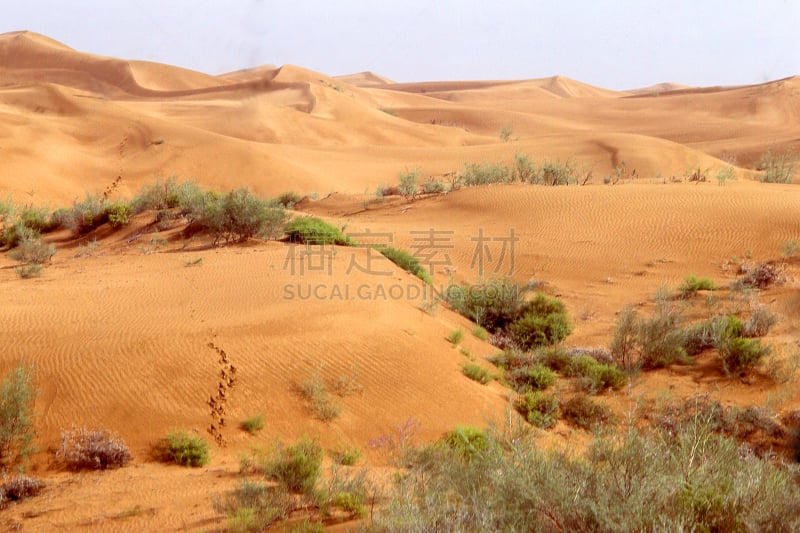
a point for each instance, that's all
(297, 466)
(455, 336)
(725, 174)
(594, 376)
(253, 425)
(432, 186)
(315, 231)
(476, 372)
(321, 404)
(791, 248)
(507, 132)
(17, 398)
(346, 455)
(538, 408)
(691, 284)
(777, 167)
(406, 261)
(534, 377)
(583, 412)
(32, 251)
(408, 183)
(33, 270)
(480, 333)
(467, 442)
(182, 448)
(543, 322)
(119, 214)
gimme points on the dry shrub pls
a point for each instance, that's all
(92, 449)
(19, 488)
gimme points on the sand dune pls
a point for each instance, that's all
(127, 336)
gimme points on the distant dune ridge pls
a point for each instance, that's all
(126, 327)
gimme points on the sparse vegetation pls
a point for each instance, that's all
(85, 449)
(467, 442)
(476, 372)
(406, 261)
(777, 167)
(725, 174)
(691, 284)
(346, 455)
(313, 230)
(253, 425)
(538, 408)
(320, 401)
(408, 182)
(17, 398)
(289, 199)
(297, 466)
(18, 488)
(182, 448)
(455, 336)
(480, 333)
(583, 412)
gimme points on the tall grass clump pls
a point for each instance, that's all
(691, 284)
(17, 398)
(407, 183)
(777, 167)
(484, 174)
(477, 373)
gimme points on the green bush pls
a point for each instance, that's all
(87, 214)
(476, 373)
(698, 337)
(544, 322)
(777, 167)
(474, 174)
(467, 441)
(594, 376)
(583, 412)
(17, 397)
(661, 339)
(535, 377)
(296, 467)
(538, 408)
(181, 448)
(408, 183)
(406, 261)
(624, 344)
(553, 357)
(313, 230)
(480, 333)
(346, 455)
(38, 219)
(119, 214)
(158, 195)
(492, 304)
(253, 425)
(691, 284)
(33, 270)
(455, 336)
(288, 199)
(32, 251)
(252, 507)
(739, 354)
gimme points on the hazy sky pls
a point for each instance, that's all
(616, 44)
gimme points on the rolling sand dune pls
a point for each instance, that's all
(128, 337)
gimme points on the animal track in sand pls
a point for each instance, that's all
(216, 402)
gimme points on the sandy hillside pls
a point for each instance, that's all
(125, 330)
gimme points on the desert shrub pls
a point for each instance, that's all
(313, 230)
(556, 173)
(455, 336)
(661, 339)
(524, 168)
(157, 196)
(595, 377)
(698, 337)
(467, 441)
(119, 214)
(253, 506)
(790, 248)
(759, 322)
(33, 270)
(777, 167)
(296, 467)
(480, 333)
(18, 488)
(85, 449)
(760, 276)
(320, 401)
(253, 425)
(739, 354)
(406, 261)
(181, 448)
(725, 174)
(32, 251)
(485, 174)
(87, 214)
(248, 216)
(553, 357)
(492, 304)
(691, 284)
(534, 377)
(346, 455)
(17, 397)
(476, 373)
(624, 343)
(407, 183)
(544, 321)
(538, 408)
(583, 412)
(432, 186)
(38, 219)
(288, 199)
